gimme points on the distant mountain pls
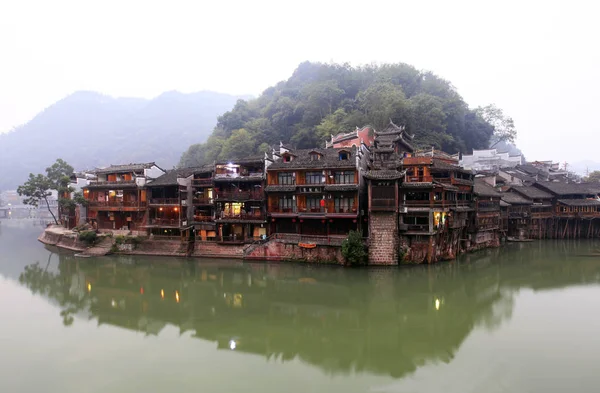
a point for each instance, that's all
(88, 129)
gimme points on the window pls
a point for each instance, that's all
(313, 204)
(314, 178)
(437, 196)
(344, 155)
(286, 204)
(417, 196)
(344, 177)
(284, 178)
(343, 204)
(315, 156)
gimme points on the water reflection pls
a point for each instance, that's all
(382, 321)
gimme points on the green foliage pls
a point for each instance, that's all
(36, 189)
(320, 100)
(504, 126)
(593, 177)
(88, 237)
(353, 249)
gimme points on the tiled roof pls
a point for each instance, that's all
(515, 199)
(282, 188)
(330, 158)
(559, 188)
(124, 168)
(417, 184)
(579, 202)
(481, 188)
(531, 192)
(384, 174)
(257, 159)
(341, 187)
(170, 178)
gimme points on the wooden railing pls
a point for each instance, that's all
(383, 204)
(164, 201)
(242, 216)
(202, 201)
(277, 209)
(203, 218)
(111, 182)
(117, 204)
(314, 210)
(165, 221)
(419, 179)
(202, 182)
(240, 195)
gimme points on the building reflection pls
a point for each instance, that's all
(383, 321)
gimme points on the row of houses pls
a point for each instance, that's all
(410, 205)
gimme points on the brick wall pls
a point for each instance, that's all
(383, 243)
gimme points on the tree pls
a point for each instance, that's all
(593, 177)
(36, 189)
(59, 175)
(353, 249)
(504, 126)
(239, 145)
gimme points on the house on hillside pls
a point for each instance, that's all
(352, 139)
(117, 198)
(489, 160)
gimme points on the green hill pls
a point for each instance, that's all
(319, 100)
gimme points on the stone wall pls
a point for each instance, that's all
(278, 250)
(215, 250)
(383, 242)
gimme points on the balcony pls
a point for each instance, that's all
(164, 222)
(117, 204)
(243, 216)
(202, 201)
(240, 195)
(164, 201)
(203, 218)
(202, 182)
(419, 179)
(312, 210)
(383, 204)
(283, 210)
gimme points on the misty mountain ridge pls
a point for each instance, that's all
(90, 129)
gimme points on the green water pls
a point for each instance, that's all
(524, 318)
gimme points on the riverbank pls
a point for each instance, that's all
(274, 249)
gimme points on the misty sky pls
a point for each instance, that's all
(538, 60)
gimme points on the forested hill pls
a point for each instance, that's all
(89, 129)
(319, 100)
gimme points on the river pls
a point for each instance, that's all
(523, 318)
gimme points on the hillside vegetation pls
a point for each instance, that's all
(319, 100)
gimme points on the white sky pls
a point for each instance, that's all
(538, 60)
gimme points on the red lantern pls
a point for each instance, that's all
(293, 220)
(322, 202)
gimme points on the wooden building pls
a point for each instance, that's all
(240, 199)
(576, 209)
(168, 203)
(519, 215)
(117, 198)
(485, 227)
(541, 209)
(315, 192)
(435, 201)
(202, 215)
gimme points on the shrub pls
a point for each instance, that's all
(88, 237)
(353, 249)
